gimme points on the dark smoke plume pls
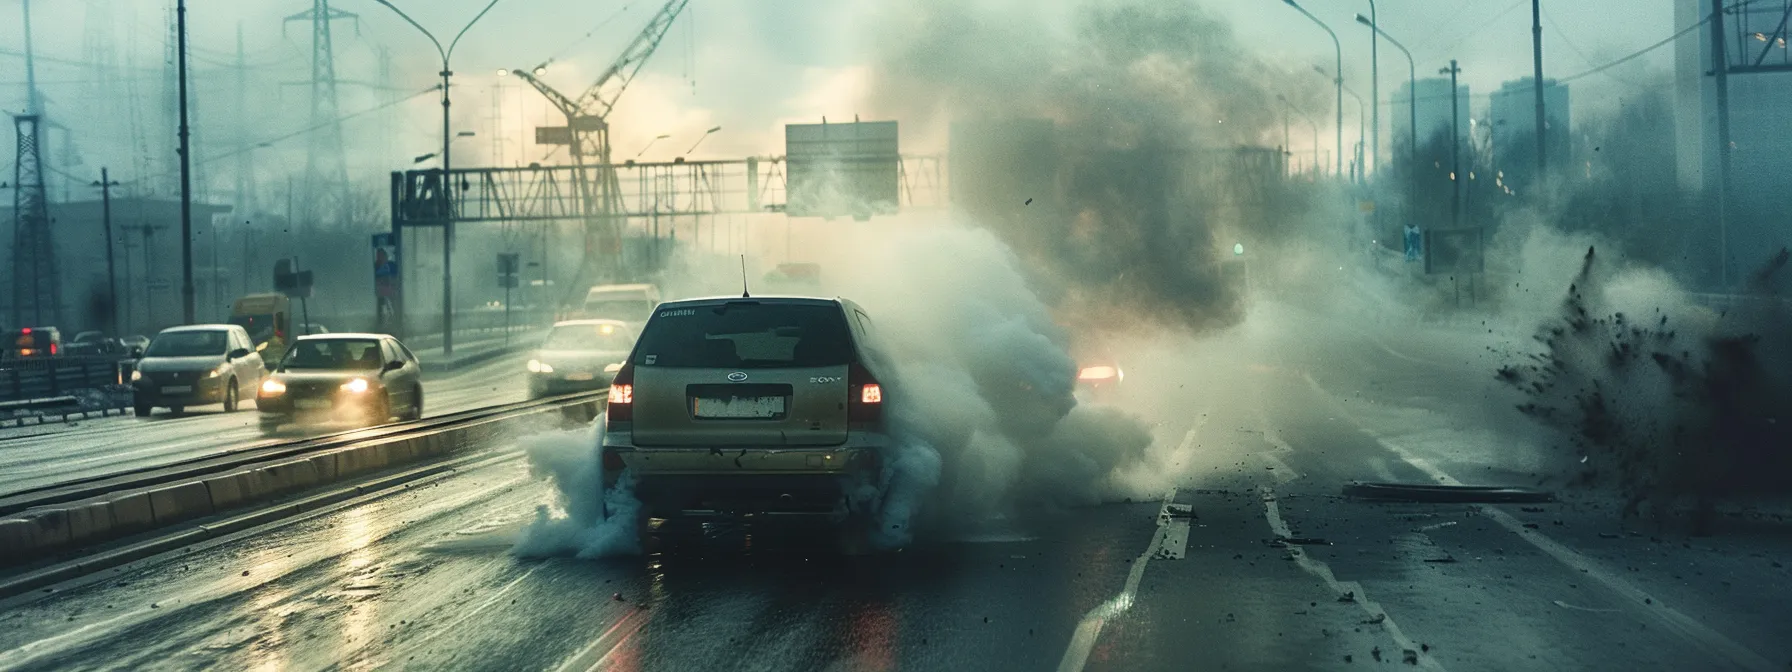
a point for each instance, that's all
(1148, 103)
(1665, 403)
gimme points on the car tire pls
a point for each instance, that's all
(416, 410)
(230, 396)
(142, 410)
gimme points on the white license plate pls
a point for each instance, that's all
(578, 376)
(312, 404)
(738, 407)
(176, 389)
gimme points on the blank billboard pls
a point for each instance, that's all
(838, 170)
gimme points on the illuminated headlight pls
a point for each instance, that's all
(538, 366)
(355, 386)
(1098, 373)
(272, 388)
(136, 375)
(221, 370)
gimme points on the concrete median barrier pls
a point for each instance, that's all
(42, 531)
(181, 501)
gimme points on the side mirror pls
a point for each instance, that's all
(238, 353)
(393, 365)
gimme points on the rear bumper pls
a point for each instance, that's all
(203, 391)
(736, 480)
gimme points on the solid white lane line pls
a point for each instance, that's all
(1702, 636)
(1076, 655)
(1273, 512)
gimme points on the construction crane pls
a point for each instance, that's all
(587, 137)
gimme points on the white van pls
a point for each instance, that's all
(628, 303)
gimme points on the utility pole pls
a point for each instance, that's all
(186, 174)
(1537, 85)
(1720, 68)
(1455, 142)
(106, 185)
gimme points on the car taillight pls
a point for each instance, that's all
(864, 396)
(622, 396)
(53, 349)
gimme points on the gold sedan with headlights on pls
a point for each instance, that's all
(579, 356)
(361, 378)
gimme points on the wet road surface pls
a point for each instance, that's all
(50, 454)
(423, 579)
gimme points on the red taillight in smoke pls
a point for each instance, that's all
(864, 396)
(622, 395)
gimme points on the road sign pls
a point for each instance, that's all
(553, 135)
(837, 170)
(294, 284)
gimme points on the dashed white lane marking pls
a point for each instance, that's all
(1707, 639)
(1318, 568)
(1076, 655)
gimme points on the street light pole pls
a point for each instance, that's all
(1361, 116)
(1537, 82)
(186, 174)
(1374, 85)
(1338, 81)
(447, 185)
(1455, 140)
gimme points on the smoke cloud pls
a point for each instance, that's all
(586, 521)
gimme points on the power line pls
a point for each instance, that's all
(297, 133)
(1638, 53)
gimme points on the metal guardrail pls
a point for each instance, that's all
(42, 377)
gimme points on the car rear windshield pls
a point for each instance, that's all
(188, 344)
(627, 310)
(595, 337)
(336, 354)
(746, 334)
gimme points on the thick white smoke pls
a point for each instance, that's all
(586, 520)
(983, 407)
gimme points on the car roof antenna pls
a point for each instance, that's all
(744, 293)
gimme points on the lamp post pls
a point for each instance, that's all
(447, 188)
(1412, 85)
(1361, 116)
(1455, 139)
(655, 139)
(699, 141)
(1338, 81)
(1375, 85)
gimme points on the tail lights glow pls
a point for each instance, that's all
(1099, 373)
(622, 396)
(865, 396)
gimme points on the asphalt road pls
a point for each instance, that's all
(41, 455)
(1260, 429)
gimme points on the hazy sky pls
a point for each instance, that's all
(746, 65)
